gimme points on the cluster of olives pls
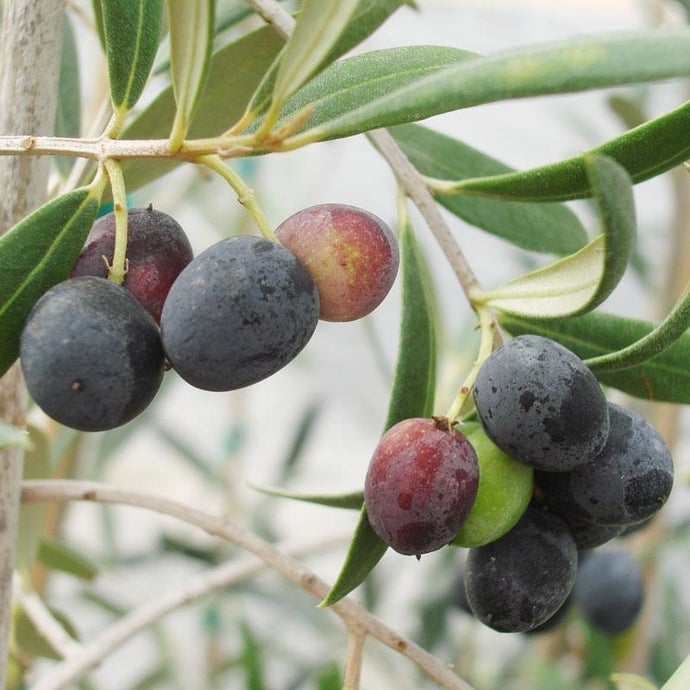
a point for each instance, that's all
(553, 470)
(94, 353)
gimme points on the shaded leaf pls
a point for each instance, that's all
(68, 113)
(36, 254)
(320, 24)
(576, 64)
(665, 378)
(414, 382)
(582, 281)
(191, 41)
(329, 678)
(365, 551)
(412, 395)
(30, 640)
(234, 73)
(57, 555)
(551, 228)
(132, 34)
(645, 151)
(251, 659)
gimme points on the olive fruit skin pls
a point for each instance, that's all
(351, 254)
(505, 490)
(541, 405)
(629, 481)
(420, 485)
(157, 251)
(238, 313)
(91, 355)
(521, 580)
(609, 590)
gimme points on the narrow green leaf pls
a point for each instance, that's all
(132, 34)
(365, 551)
(665, 378)
(320, 24)
(414, 382)
(30, 639)
(653, 344)
(551, 228)
(11, 435)
(57, 555)
(191, 41)
(645, 151)
(351, 500)
(329, 678)
(412, 395)
(68, 113)
(368, 16)
(576, 64)
(36, 254)
(234, 73)
(582, 281)
(251, 659)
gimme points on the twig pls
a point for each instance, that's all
(272, 13)
(45, 623)
(292, 569)
(80, 661)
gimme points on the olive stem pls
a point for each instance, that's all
(352, 613)
(245, 194)
(487, 327)
(118, 267)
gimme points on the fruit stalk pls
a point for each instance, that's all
(118, 266)
(31, 42)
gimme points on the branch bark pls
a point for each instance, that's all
(29, 71)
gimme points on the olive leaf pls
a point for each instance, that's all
(550, 228)
(412, 395)
(358, 103)
(644, 151)
(11, 435)
(132, 33)
(320, 24)
(36, 254)
(582, 281)
(368, 16)
(631, 681)
(664, 378)
(191, 40)
(352, 500)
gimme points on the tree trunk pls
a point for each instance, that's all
(29, 71)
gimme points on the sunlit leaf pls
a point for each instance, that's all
(665, 378)
(575, 64)
(551, 228)
(368, 16)
(320, 24)
(132, 34)
(11, 435)
(582, 281)
(631, 681)
(645, 151)
(36, 254)
(352, 500)
(191, 41)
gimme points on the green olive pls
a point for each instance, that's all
(505, 489)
